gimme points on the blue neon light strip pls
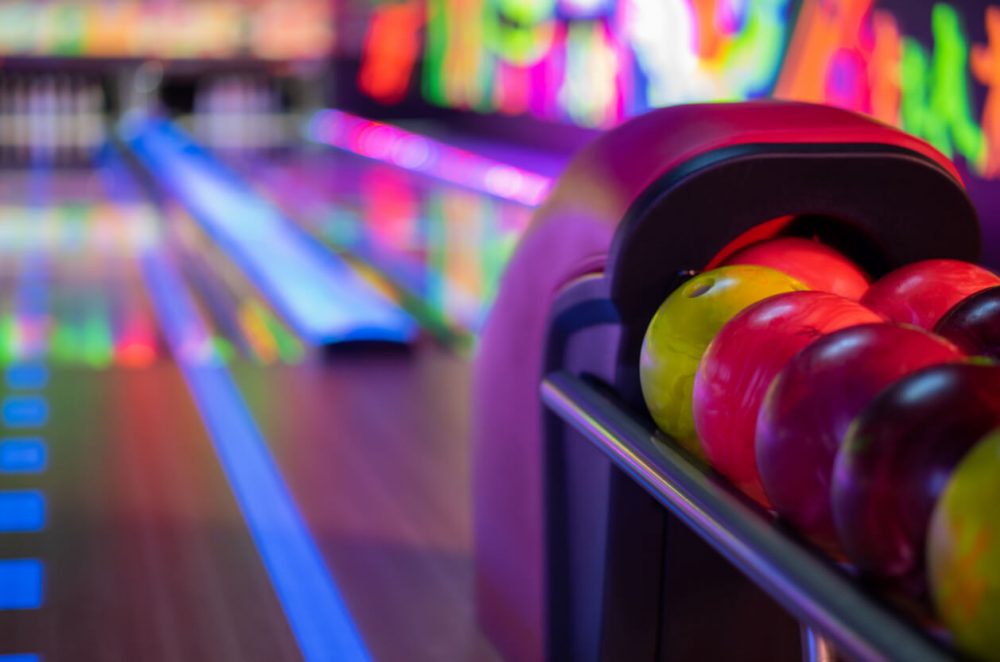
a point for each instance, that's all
(24, 411)
(27, 376)
(312, 603)
(22, 511)
(320, 295)
(27, 455)
(21, 584)
(19, 657)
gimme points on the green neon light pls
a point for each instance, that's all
(457, 69)
(290, 348)
(63, 344)
(936, 101)
(67, 24)
(520, 31)
(98, 341)
(436, 235)
(436, 47)
(222, 349)
(8, 338)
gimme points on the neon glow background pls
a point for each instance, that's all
(931, 68)
(264, 29)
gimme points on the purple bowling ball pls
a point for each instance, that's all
(973, 324)
(896, 460)
(813, 401)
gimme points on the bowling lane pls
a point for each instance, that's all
(152, 539)
(439, 247)
(375, 452)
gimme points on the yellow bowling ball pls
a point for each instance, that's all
(963, 551)
(681, 330)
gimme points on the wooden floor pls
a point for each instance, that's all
(145, 552)
(376, 453)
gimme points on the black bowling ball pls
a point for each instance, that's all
(973, 324)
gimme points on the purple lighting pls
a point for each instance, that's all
(411, 151)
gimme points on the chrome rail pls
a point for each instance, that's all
(823, 597)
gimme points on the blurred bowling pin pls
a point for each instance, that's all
(21, 127)
(6, 120)
(64, 122)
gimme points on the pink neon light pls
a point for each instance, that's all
(418, 153)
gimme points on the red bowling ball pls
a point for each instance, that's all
(814, 263)
(742, 361)
(813, 401)
(896, 459)
(974, 324)
(922, 292)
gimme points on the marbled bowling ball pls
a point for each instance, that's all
(742, 361)
(897, 458)
(922, 292)
(974, 324)
(812, 403)
(963, 551)
(681, 330)
(814, 263)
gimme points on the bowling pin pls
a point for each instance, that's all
(19, 122)
(6, 118)
(91, 117)
(34, 120)
(48, 120)
(64, 119)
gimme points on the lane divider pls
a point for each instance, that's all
(313, 605)
(317, 292)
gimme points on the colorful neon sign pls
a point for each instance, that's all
(269, 29)
(596, 62)
(617, 60)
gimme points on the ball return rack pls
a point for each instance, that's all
(837, 614)
(648, 554)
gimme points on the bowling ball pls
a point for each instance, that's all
(814, 263)
(963, 551)
(683, 327)
(974, 324)
(813, 401)
(922, 292)
(742, 361)
(896, 459)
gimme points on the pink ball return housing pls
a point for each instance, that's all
(572, 560)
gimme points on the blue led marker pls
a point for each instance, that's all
(20, 657)
(27, 376)
(21, 583)
(312, 603)
(24, 411)
(27, 455)
(22, 511)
